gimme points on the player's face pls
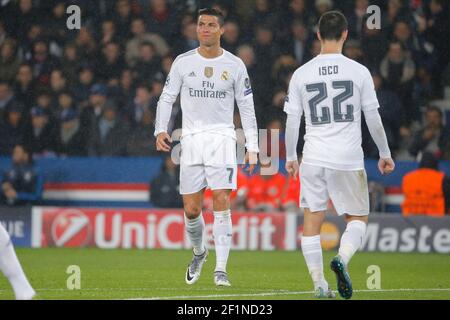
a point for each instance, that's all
(209, 30)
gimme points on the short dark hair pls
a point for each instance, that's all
(331, 25)
(212, 12)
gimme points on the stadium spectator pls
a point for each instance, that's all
(25, 86)
(56, 27)
(139, 37)
(108, 33)
(110, 64)
(231, 39)
(97, 101)
(6, 97)
(12, 128)
(374, 45)
(148, 64)
(142, 141)
(434, 136)
(41, 135)
(356, 18)
(22, 183)
(164, 189)
(162, 20)
(122, 18)
(9, 61)
(438, 33)
(70, 63)
(353, 50)
(108, 137)
(123, 93)
(188, 39)
(426, 190)
(82, 89)
(398, 71)
(299, 42)
(42, 62)
(58, 84)
(391, 113)
(72, 139)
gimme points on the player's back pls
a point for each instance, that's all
(332, 90)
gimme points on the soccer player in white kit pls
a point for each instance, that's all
(11, 268)
(331, 91)
(209, 79)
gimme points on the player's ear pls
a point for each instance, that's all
(345, 35)
(318, 36)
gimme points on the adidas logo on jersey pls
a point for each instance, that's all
(192, 74)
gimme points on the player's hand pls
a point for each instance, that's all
(162, 142)
(386, 166)
(250, 162)
(292, 168)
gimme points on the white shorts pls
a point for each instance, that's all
(347, 190)
(207, 160)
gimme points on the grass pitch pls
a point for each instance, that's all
(159, 274)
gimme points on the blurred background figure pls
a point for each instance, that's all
(165, 188)
(22, 183)
(427, 190)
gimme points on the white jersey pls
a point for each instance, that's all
(332, 90)
(208, 89)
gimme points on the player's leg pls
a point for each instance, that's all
(11, 268)
(314, 199)
(350, 196)
(222, 233)
(192, 186)
(221, 176)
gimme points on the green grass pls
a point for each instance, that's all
(125, 274)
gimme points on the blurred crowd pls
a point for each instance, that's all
(94, 91)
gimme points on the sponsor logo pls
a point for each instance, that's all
(192, 74)
(70, 229)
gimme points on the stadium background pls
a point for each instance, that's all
(96, 191)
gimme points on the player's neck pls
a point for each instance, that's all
(331, 48)
(210, 52)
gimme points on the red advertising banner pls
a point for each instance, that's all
(146, 228)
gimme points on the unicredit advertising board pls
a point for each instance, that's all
(148, 229)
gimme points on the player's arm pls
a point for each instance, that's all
(244, 100)
(293, 108)
(370, 105)
(164, 109)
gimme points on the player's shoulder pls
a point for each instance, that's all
(304, 70)
(361, 69)
(233, 58)
(186, 55)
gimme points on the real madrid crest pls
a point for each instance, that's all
(225, 75)
(209, 71)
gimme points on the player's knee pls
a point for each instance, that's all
(192, 210)
(221, 200)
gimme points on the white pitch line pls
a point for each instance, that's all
(278, 293)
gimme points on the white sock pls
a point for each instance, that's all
(352, 240)
(312, 251)
(195, 228)
(222, 232)
(11, 268)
